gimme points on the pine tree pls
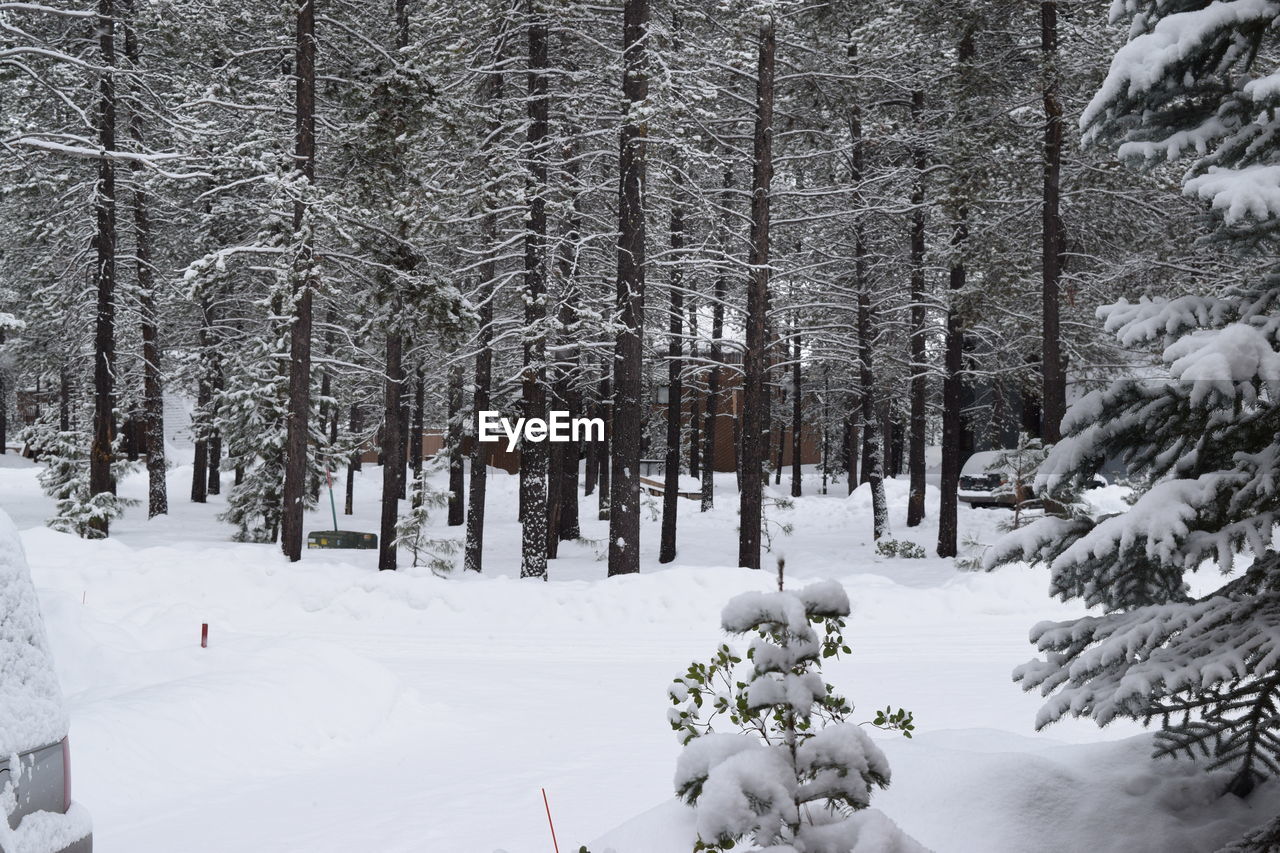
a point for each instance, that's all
(791, 770)
(1191, 82)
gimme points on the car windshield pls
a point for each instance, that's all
(978, 464)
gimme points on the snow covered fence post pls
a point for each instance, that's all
(793, 772)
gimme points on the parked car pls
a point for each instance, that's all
(35, 759)
(984, 482)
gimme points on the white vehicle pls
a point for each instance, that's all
(35, 762)
(984, 482)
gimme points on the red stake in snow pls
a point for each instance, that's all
(204, 635)
(554, 843)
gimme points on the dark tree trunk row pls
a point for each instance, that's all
(919, 366)
(295, 471)
(755, 395)
(152, 386)
(797, 414)
(675, 391)
(392, 450)
(568, 392)
(872, 443)
(624, 499)
(952, 424)
(355, 425)
(603, 448)
(457, 479)
(391, 438)
(100, 451)
(533, 455)
(1054, 397)
(717, 331)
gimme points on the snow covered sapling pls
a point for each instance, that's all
(791, 770)
(774, 504)
(1018, 467)
(435, 553)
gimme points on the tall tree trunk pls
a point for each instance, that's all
(797, 416)
(391, 436)
(851, 445)
(392, 451)
(567, 387)
(624, 500)
(695, 395)
(406, 423)
(295, 472)
(951, 402)
(216, 384)
(717, 331)
(1054, 397)
(457, 484)
(533, 454)
(919, 366)
(152, 385)
(567, 511)
(100, 452)
(603, 448)
(202, 423)
(420, 415)
(569, 393)
(755, 396)
(64, 397)
(326, 392)
(873, 457)
(4, 401)
(592, 460)
(355, 427)
(473, 553)
(215, 461)
(873, 444)
(675, 366)
(952, 423)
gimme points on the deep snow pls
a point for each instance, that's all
(339, 709)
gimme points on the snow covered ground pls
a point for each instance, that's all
(342, 709)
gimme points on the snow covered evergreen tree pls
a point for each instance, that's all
(1195, 80)
(794, 770)
(65, 478)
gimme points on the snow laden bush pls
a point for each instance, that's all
(899, 548)
(65, 478)
(1196, 79)
(791, 770)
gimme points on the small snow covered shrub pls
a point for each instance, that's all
(899, 548)
(789, 770)
(65, 478)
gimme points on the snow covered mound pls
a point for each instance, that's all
(31, 711)
(669, 828)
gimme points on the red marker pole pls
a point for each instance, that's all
(554, 843)
(204, 635)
